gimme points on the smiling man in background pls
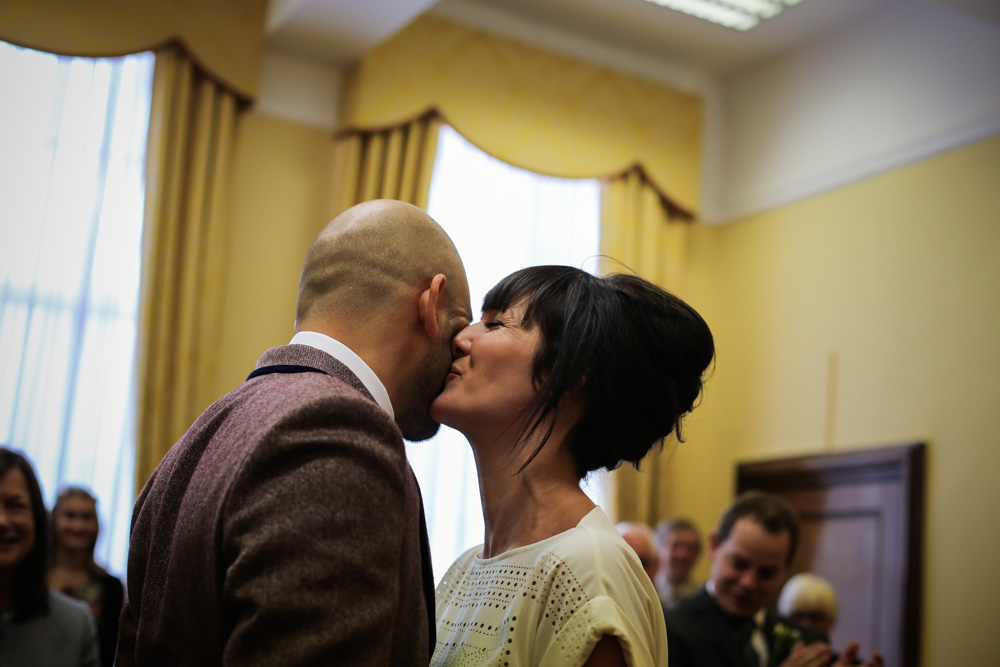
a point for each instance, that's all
(727, 622)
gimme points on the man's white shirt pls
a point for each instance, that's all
(354, 363)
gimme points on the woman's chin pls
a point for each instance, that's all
(439, 414)
(442, 415)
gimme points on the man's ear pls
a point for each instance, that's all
(713, 544)
(428, 305)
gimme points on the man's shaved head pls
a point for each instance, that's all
(370, 257)
(385, 279)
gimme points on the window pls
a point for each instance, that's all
(501, 219)
(72, 152)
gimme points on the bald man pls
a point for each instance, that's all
(286, 527)
(642, 539)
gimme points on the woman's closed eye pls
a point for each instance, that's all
(492, 324)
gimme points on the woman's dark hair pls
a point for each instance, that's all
(31, 591)
(64, 495)
(635, 352)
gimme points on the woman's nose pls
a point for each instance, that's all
(462, 341)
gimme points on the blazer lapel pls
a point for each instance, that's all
(427, 570)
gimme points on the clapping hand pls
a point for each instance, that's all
(819, 654)
(850, 657)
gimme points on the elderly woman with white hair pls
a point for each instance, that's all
(809, 600)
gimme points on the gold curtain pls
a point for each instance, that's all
(392, 162)
(208, 56)
(645, 234)
(532, 108)
(191, 137)
(225, 37)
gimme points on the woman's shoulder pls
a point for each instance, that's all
(455, 573)
(588, 557)
(595, 541)
(109, 581)
(112, 594)
(67, 609)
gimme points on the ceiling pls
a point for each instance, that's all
(339, 31)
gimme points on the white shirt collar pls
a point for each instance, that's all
(354, 363)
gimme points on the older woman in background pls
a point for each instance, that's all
(565, 374)
(38, 626)
(73, 536)
(809, 600)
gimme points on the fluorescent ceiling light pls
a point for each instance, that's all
(735, 14)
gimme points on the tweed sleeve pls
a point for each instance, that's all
(311, 540)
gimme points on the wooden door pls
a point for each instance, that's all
(862, 528)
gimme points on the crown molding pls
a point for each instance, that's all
(862, 167)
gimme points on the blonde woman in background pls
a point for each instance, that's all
(809, 600)
(72, 537)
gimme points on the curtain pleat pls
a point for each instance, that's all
(645, 236)
(386, 163)
(190, 141)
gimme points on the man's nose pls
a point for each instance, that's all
(749, 579)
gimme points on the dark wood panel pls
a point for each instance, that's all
(850, 538)
(862, 528)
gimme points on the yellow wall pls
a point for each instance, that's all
(897, 276)
(281, 198)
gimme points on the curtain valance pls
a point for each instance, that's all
(532, 108)
(225, 37)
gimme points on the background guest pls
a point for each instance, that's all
(642, 539)
(680, 545)
(74, 528)
(38, 626)
(727, 622)
(809, 600)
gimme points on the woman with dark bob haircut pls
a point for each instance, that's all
(38, 626)
(565, 374)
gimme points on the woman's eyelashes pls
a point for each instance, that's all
(502, 319)
(492, 319)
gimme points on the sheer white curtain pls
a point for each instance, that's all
(501, 219)
(72, 148)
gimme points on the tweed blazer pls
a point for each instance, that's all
(284, 528)
(701, 634)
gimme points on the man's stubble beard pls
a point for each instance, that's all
(426, 382)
